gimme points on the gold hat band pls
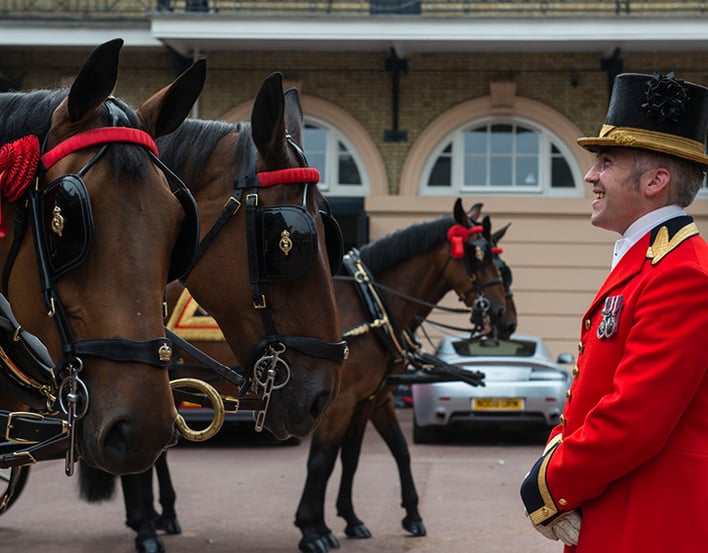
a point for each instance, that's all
(670, 144)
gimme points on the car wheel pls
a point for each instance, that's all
(424, 434)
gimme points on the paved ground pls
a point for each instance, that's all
(241, 496)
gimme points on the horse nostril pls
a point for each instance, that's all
(117, 438)
(319, 405)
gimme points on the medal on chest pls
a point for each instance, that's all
(610, 317)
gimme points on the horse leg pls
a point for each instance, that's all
(351, 449)
(385, 421)
(309, 518)
(139, 516)
(166, 521)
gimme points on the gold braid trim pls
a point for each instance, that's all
(662, 245)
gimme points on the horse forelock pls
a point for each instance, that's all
(178, 151)
(403, 244)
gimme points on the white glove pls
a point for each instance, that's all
(567, 527)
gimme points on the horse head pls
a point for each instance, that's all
(98, 234)
(475, 275)
(263, 270)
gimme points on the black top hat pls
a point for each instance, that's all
(657, 113)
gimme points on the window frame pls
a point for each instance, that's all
(547, 138)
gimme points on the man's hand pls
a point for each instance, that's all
(565, 528)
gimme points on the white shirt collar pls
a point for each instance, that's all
(640, 227)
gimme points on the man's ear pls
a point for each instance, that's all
(660, 179)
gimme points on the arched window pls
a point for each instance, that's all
(341, 168)
(502, 155)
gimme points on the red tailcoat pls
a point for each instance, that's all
(633, 455)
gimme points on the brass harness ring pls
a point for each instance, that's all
(216, 402)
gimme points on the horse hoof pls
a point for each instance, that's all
(357, 531)
(415, 527)
(318, 545)
(151, 544)
(169, 525)
(330, 541)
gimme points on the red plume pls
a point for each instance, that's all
(458, 235)
(18, 166)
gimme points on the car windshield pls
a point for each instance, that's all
(495, 348)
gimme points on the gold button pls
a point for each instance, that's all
(588, 323)
(581, 347)
(575, 372)
(562, 420)
(563, 501)
(568, 395)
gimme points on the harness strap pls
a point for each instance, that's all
(375, 304)
(156, 352)
(209, 362)
(13, 456)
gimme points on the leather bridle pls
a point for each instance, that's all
(266, 368)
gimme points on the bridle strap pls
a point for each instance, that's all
(95, 137)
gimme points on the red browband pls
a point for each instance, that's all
(95, 137)
(289, 176)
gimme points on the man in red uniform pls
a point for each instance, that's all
(626, 470)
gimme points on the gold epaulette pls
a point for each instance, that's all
(662, 245)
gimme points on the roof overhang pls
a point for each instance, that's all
(413, 35)
(197, 34)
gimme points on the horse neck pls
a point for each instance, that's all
(23, 113)
(418, 277)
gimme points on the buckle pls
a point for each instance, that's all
(24, 414)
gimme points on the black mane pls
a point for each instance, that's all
(23, 113)
(404, 244)
(178, 151)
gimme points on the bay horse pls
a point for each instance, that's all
(271, 304)
(413, 269)
(100, 227)
(374, 398)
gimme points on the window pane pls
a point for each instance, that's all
(441, 173)
(476, 141)
(475, 171)
(526, 141)
(502, 139)
(315, 145)
(348, 172)
(561, 176)
(527, 171)
(500, 171)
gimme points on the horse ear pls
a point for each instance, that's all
(498, 235)
(487, 226)
(459, 212)
(165, 110)
(95, 80)
(294, 120)
(267, 122)
(474, 212)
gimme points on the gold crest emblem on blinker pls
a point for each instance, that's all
(479, 253)
(285, 243)
(57, 221)
(164, 353)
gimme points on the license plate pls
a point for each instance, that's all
(497, 404)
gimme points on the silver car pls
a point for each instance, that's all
(523, 386)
